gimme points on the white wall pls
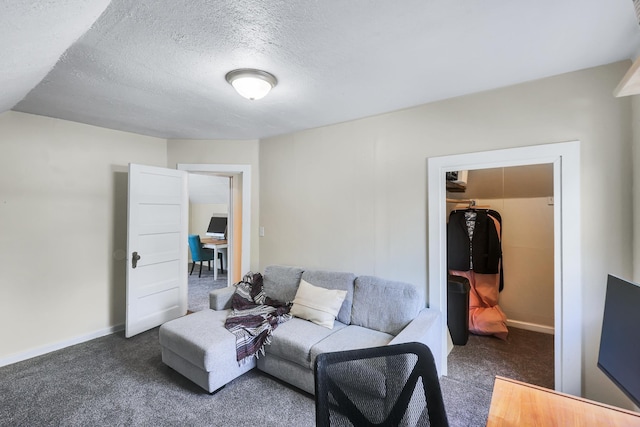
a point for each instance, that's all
(236, 152)
(63, 208)
(353, 196)
(210, 189)
(527, 252)
(200, 214)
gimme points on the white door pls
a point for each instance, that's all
(156, 247)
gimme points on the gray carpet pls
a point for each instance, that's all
(114, 381)
(526, 356)
(199, 287)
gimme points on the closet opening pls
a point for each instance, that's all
(500, 244)
(564, 158)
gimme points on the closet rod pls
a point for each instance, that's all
(471, 203)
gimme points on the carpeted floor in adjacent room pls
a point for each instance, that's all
(199, 287)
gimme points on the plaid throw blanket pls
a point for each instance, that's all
(254, 317)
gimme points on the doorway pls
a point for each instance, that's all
(238, 260)
(522, 198)
(565, 158)
(209, 214)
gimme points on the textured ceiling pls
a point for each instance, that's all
(33, 35)
(157, 67)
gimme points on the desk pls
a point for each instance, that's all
(514, 403)
(216, 245)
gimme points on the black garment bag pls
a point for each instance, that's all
(482, 253)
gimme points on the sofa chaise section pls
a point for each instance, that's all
(200, 348)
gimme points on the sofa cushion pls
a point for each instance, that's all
(202, 339)
(334, 280)
(349, 338)
(384, 305)
(293, 340)
(281, 282)
(316, 304)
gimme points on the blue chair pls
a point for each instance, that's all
(198, 253)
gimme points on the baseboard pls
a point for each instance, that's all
(531, 326)
(19, 357)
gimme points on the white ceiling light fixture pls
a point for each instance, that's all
(250, 83)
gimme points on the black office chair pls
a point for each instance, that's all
(394, 385)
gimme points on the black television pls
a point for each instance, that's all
(217, 227)
(619, 356)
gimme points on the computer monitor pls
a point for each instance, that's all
(619, 356)
(217, 227)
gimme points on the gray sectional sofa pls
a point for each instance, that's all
(375, 312)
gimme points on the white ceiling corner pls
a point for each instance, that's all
(33, 36)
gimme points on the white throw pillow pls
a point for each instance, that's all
(316, 304)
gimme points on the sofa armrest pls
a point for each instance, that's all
(426, 328)
(220, 299)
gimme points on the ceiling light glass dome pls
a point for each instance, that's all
(251, 83)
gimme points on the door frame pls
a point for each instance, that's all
(565, 158)
(243, 171)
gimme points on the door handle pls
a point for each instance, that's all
(134, 259)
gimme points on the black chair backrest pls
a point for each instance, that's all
(394, 385)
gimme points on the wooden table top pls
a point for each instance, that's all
(514, 403)
(210, 240)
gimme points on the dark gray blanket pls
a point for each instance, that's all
(254, 317)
